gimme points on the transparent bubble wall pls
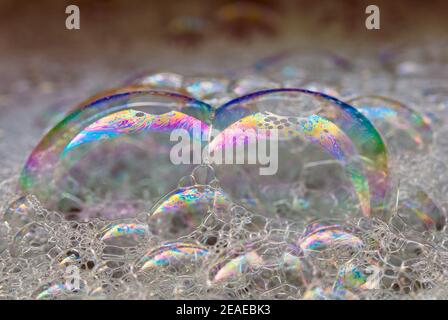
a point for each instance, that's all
(103, 146)
(110, 155)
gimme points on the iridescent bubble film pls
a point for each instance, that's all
(110, 133)
(320, 237)
(325, 123)
(172, 254)
(401, 126)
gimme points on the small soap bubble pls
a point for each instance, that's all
(318, 236)
(125, 231)
(4, 237)
(206, 88)
(52, 292)
(187, 181)
(298, 270)
(162, 80)
(204, 175)
(402, 127)
(235, 267)
(59, 291)
(20, 212)
(175, 254)
(33, 239)
(183, 210)
(351, 278)
(70, 257)
(419, 211)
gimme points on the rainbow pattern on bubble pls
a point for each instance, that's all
(41, 167)
(431, 216)
(71, 259)
(381, 109)
(125, 229)
(172, 253)
(52, 292)
(314, 129)
(237, 266)
(350, 277)
(320, 237)
(365, 138)
(191, 199)
(133, 121)
(343, 132)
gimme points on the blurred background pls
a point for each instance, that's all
(42, 63)
(137, 34)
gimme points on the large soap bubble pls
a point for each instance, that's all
(113, 150)
(330, 158)
(313, 130)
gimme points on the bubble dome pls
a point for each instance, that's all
(203, 163)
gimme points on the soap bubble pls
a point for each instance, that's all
(70, 257)
(125, 230)
(206, 88)
(183, 210)
(33, 239)
(320, 236)
(295, 68)
(20, 212)
(175, 255)
(312, 128)
(358, 278)
(86, 161)
(58, 291)
(159, 80)
(298, 270)
(235, 267)
(401, 126)
(418, 210)
(53, 292)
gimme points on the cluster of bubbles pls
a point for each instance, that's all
(354, 211)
